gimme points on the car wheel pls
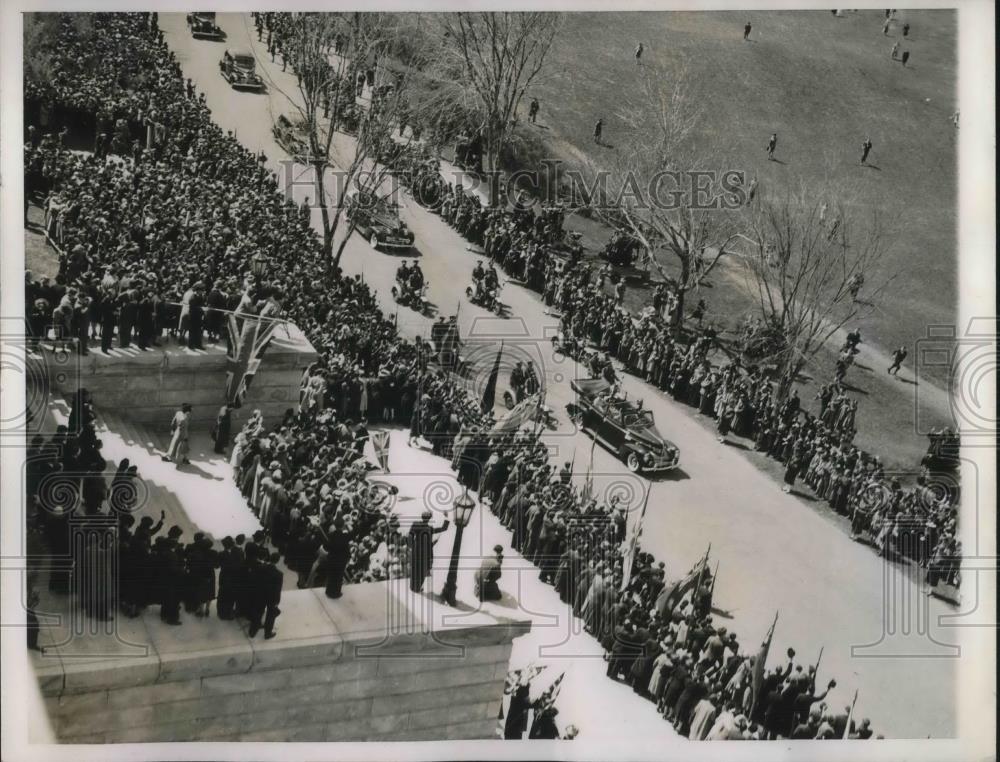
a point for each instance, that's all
(374, 241)
(632, 462)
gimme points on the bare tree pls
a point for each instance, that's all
(494, 57)
(813, 268)
(46, 38)
(326, 106)
(659, 188)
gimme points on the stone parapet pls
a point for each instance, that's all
(147, 387)
(380, 663)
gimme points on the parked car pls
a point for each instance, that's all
(378, 220)
(291, 138)
(623, 426)
(239, 69)
(203, 27)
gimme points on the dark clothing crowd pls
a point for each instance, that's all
(147, 222)
(817, 448)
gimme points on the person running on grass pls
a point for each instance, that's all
(897, 361)
(866, 149)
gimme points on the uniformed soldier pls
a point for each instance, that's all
(517, 380)
(566, 473)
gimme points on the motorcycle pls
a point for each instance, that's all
(487, 298)
(544, 416)
(575, 349)
(403, 294)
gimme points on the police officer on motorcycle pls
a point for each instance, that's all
(491, 280)
(416, 282)
(517, 381)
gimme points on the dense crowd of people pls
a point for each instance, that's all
(917, 523)
(159, 231)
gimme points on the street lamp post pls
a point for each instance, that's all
(463, 506)
(258, 265)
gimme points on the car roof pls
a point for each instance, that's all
(241, 54)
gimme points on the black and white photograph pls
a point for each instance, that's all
(607, 379)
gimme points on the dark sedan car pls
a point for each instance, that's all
(623, 426)
(239, 69)
(203, 27)
(378, 221)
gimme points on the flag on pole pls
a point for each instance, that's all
(246, 349)
(850, 716)
(633, 545)
(711, 590)
(549, 696)
(816, 668)
(669, 597)
(759, 664)
(490, 392)
(518, 415)
(380, 441)
(588, 483)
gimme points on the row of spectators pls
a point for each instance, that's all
(917, 523)
(194, 208)
(158, 241)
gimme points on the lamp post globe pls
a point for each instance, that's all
(258, 265)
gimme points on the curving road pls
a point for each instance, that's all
(776, 552)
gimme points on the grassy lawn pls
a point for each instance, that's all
(822, 83)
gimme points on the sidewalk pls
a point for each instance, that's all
(599, 707)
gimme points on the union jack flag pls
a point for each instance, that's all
(247, 343)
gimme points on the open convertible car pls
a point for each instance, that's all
(292, 138)
(623, 426)
(203, 27)
(377, 219)
(239, 69)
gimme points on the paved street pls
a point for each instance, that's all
(776, 551)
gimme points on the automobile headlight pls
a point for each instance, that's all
(648, 457)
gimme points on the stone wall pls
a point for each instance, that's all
(148, 387)
(377, 664)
